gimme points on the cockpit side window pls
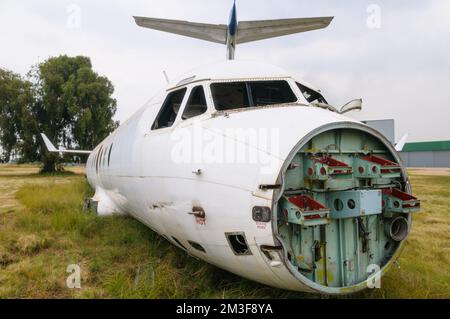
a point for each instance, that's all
(196, 104)
(236, 95)
(311, 95)
(169, 110)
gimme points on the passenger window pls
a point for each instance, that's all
(169, 110)
(97, 159)
(109, 153)
(196, 104)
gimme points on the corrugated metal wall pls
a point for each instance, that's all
(386, 127)
(426, 159)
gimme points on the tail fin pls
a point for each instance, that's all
(235, 32)
(49, 145)
(401, 144)
(52, 149)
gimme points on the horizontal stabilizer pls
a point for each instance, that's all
(52, 149)
(258, 30)
(209, 32)
(235, 32)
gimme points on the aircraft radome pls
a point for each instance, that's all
(251, 170)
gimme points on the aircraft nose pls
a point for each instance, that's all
(343, 207)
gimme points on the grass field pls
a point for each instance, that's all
(43, 229)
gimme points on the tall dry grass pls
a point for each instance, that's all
(121, 258)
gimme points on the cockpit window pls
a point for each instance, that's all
(271, 92)
(311, 95)
(236, 95)
(169, 110)
(196, 104)
(229, 96)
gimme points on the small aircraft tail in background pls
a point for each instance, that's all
(400, 144)
(52, 149)
(235, 32)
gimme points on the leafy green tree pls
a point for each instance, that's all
(15, 100)
(62, 97)
(73, 105)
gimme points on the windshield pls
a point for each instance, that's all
(310, 95)
(237, 95)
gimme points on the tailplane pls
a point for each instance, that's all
(235, 32)
(209, 32)
(52, 149)
(259, 30)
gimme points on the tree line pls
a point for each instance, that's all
(62, 97)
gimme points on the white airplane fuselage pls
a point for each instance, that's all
(178, 181)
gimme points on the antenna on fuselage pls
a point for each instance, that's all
(235, 32)
(166, 77)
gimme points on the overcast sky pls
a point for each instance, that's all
(395, 55)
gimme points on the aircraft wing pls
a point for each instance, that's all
(258, 30)
(51, 148)
(208, 32)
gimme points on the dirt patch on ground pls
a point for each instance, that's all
(14, 170)
(430, 171)
(13, 177)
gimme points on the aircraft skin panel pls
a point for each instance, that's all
(233, 70)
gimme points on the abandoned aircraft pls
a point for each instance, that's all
(245, 167)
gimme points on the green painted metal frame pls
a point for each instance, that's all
(365, 202)
(332, 254)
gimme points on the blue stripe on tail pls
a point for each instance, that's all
(232, 24)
